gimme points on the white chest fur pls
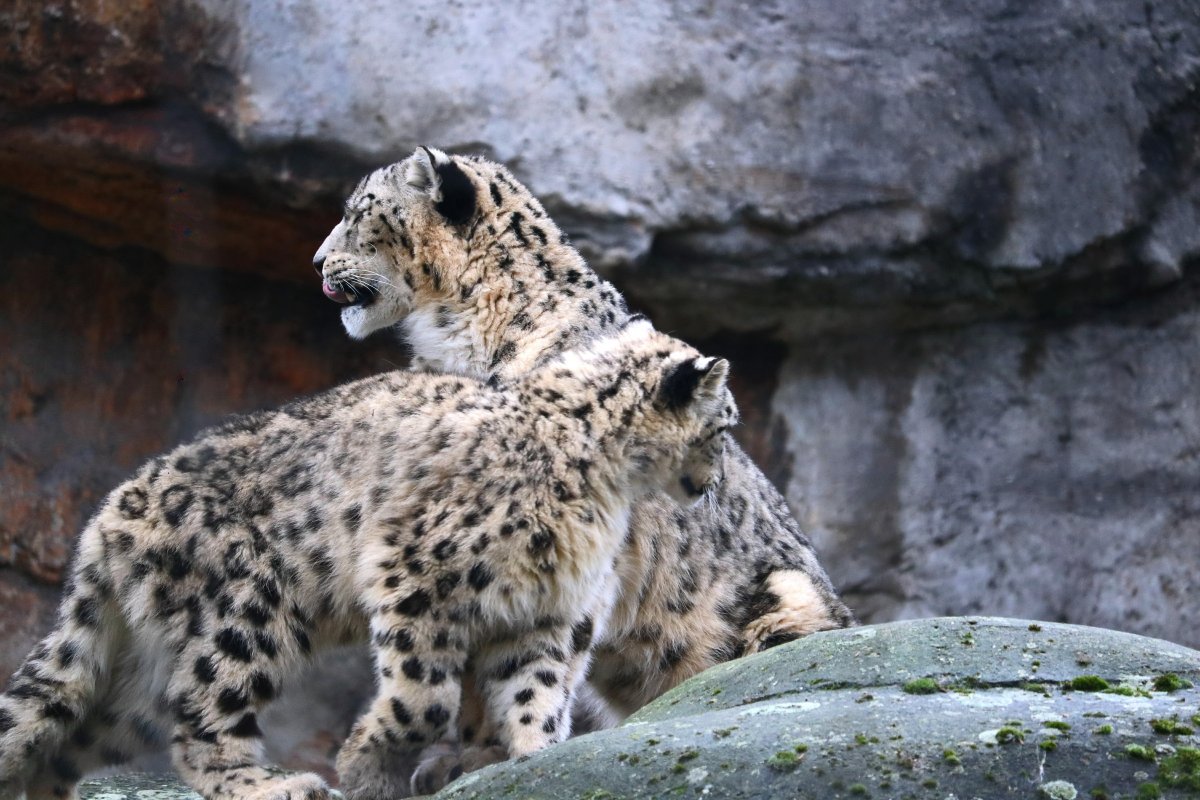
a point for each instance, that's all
(445, 340)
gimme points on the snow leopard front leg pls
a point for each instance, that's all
(219, 686)
(129, 721)
(419, 657)
(529, 686)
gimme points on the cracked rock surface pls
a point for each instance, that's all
(964, 707)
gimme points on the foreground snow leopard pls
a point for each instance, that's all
(447, 518)
(465, 261)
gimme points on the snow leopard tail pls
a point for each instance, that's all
(787, 604)
(52, 692)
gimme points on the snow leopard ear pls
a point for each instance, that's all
(437, 175)
(692, 379)
(420, 171)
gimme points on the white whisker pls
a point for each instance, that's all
(364, 276)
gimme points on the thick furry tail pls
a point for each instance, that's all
(54, 689)
(788, 604)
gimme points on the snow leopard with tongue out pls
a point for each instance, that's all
(464, 261)
(445, 519)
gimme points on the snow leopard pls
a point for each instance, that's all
(460, 258)
(442, 518)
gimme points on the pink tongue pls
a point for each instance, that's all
(334, 294)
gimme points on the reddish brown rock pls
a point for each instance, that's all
(91, 51)
(150, 178)
(107, 361)
(28, 614)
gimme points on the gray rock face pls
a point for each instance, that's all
(895, 155)
(933, 708)
(1045, 469)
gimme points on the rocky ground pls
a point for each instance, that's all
(952, 707)
(952, 251)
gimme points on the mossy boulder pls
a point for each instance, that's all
(964, 707)
(140, 786)
(970, 707)
(136, 786)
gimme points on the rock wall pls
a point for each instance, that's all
(952, 251)
(1049, 467)
(110, 358)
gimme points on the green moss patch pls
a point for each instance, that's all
(1148, 791)
(1087, 683)
(1058, 790)
(1010, 735)
(1139, 752)
(1181, 769)
(922, 686)
(784, 761)
(1171, 683)
(1170, 727)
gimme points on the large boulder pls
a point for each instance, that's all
(969, 707)
(136, 786)
(963, 707)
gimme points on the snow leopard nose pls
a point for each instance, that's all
(318, 262)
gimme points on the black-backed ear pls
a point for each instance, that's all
(458, 194)
(697, 377)
(448, 187)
